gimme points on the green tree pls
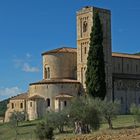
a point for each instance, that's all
(59, 120)
(95, 74)
(15, 118)
(108, 110)
(3, 106)
(83, 115)
(44, 131)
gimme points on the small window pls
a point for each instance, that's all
(47, 73)
(21, 105)
(65, 103)
(12, 105)
(85, 50)
(31, 104)
(48, 102)
(85, 26)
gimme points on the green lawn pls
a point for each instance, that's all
(26, 129)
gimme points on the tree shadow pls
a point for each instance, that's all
(126, 127)
(27, 125)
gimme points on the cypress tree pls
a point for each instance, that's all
(95, 74)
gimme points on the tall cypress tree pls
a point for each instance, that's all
(95, 74)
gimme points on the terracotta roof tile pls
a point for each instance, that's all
(36, 97)
(20, 96)
(63, 96)
(55, 81)
(124, 55)
(61, 50)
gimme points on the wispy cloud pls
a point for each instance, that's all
(24, 64)
(27, 68)
(28, 55)
(9, 92)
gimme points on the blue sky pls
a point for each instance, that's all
(30, 27)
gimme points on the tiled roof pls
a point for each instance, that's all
(62, 95)
(20, 96)
(55, 81)
(61, 50)
(36, 97)
(124, 55)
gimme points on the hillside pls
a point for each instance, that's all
(137, 53)
(3, 106)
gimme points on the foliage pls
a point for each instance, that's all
(108, 110)
(138, 53)
(44, 131)
(95, 74)
(58, 120)
(135, 110)
(17, 117)
(84, 115)
(3, 106)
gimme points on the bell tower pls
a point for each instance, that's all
(84, 25)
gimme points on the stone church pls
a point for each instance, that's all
(64, 73)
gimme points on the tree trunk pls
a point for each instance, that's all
(110, 123)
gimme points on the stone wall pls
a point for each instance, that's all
(126, 65)
(62, 65)
(48, 91)
(15, 106)
(127, 91)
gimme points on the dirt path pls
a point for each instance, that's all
(124, 134)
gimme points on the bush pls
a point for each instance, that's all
(44, 131)
(135, 111)
(58, 120)
(108, 110)
(83, 115)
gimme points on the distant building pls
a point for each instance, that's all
(64, 73)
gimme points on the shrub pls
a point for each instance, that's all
(44, 131)
(135, 111)
(83, 115)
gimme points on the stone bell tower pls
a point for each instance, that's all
(84, 25)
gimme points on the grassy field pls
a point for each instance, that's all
(26, 129)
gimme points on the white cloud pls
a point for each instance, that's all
(18, 62)
(9, 92)
(28, 55)
(24, 65)
(27, 68)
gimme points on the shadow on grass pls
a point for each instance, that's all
(24, 133)
(64, 132)
(126, 127)
(27, 125)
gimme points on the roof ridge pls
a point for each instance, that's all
(61, 50)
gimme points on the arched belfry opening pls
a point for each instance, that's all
(85, 25)
(47, 73)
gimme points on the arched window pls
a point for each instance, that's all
(31, 104)
(65, 103)
(85, 26)
(48, 102)
(85, 50)
(47, 73)
(12, 105)
(21, 105)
